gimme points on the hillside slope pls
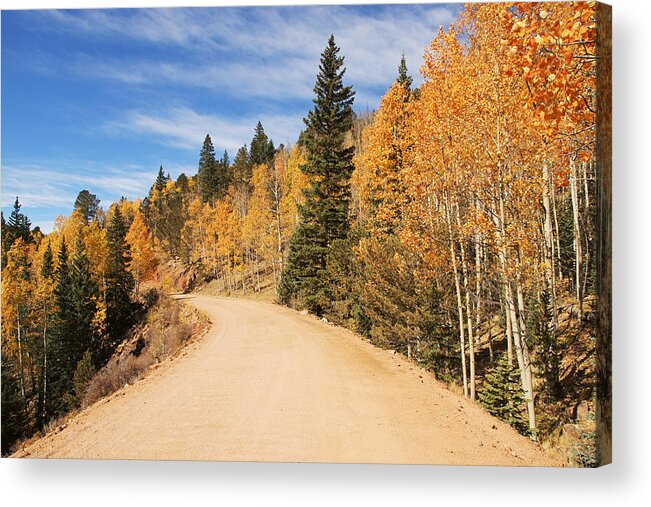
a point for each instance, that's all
(267, 383)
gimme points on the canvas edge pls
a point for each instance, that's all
(603, 152)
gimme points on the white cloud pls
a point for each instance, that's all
(237, 79)
(257, 52)
(185, 128)
(47, 185)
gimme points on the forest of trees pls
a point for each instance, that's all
(456, 225)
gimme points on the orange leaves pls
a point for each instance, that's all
(555, 47)
(143, 259)
(257, 229)
(389, 141)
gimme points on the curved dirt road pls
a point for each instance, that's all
(269, 384)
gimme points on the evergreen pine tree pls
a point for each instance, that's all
(47, 267)
(73, 334)
(183, 183)
(262, 148)
(223, 176)
(545, 341)
(87, 204)
(60, 357)
(18, 226)
(119, 281)
(241, 168)
(207, 175)
(403, 77)
(4, 229)
(242, 171)
(324, 216)
(161, 180)
(225, 161)
(502, 395)
(15, 422)
(84, 292)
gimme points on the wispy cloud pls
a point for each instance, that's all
(47, 185)
(255, 51)
(291, 80)
(186, 128)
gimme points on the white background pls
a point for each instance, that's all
(32, 482)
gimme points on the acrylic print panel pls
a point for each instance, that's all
(342, 234)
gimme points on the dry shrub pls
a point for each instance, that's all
(167, 327)
(115, 375)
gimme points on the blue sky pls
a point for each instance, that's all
(99, 99)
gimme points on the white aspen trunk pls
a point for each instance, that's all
(577, 237)
(203, 244)
(586, 191)
(462, 336)
(527, 362)
(588, 221)
(521, 351)
(549, 242)
(478, 278)
(464, 273)
(274, 269)
(490, 341)
(478, 281)
(520, 347)
(509, 333)
(498, 220)
(20, 356)
(557, 235)
(279, 238)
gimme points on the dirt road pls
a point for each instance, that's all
(269, 384)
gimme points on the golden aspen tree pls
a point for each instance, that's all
(18, 286)
(258, 225)
(228, 244)
(383, 188)
(143, 259)
(297, 182)
(96, 247)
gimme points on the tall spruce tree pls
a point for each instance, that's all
(47, 268)
(183, 183)
(3, 237)
(262, 148)
(119, 281)
(223, 176)
(18, 226)
(161, 180)
(207, 174)
(15, 421)
(60, 359)
(242, 169)
(84, 292)
(324, 215)
(213, 174)
(73, 335)
(403, 76)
